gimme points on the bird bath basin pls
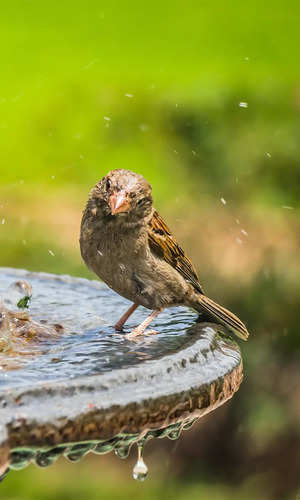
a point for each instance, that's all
(73, 385)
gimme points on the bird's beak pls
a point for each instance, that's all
(119, 203)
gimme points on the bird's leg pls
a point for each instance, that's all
(119, 325)
(139, 330)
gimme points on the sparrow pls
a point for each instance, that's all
(125, 241)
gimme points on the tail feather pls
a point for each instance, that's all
(225, 317)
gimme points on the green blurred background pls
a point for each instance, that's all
(203, 98)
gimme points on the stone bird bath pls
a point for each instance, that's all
(69, 384)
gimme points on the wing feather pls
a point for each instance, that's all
(164, 245)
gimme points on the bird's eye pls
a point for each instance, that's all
(141, 201)
(108, 184)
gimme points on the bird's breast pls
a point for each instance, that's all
(113, 255)
(125, 262)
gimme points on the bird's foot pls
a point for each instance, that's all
(151, 332)
(138, 332)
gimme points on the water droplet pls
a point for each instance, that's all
(174, 434)
(243, 104)
(189, 423)
(223, 201)
(140, 470)
(51, 253)
(122, 451)
(144, 127)
(90, 64)
(129, 95)
(106, 118)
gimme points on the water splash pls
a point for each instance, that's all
(140, 470)
(19, 294)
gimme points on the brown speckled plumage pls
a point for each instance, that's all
(126, 243)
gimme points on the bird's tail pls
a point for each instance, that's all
(223, 316)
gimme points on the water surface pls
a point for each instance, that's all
(89, 345)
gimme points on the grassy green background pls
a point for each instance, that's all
(155, 87)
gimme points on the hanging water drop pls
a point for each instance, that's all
(174, 434)
(122, 451)
(140, 470)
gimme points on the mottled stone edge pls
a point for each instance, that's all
(127, 398)
(122, 442)
(134, 421)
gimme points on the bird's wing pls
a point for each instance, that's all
(164, 245)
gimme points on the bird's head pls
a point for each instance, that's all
(123, 193)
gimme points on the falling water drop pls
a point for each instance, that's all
(140, 470)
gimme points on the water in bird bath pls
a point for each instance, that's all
(88, 343)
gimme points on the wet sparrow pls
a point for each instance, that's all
(127, 244)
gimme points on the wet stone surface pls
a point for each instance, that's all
(69, 384)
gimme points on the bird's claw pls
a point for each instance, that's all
(137, 333)
(150, 332)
